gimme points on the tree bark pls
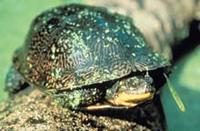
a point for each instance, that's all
(161, 22)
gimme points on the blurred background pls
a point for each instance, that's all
(16, 17)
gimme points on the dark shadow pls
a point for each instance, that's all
(188, 44)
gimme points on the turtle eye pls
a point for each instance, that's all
(53, 21)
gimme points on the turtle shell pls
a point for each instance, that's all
(76, 45)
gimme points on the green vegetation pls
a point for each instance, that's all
(185, 79)
(175, 95)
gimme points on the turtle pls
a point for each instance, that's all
(86, 57)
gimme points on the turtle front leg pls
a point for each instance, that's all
(14, 81)
(78, 99)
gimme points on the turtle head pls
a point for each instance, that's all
(132, 91)
(127, 92)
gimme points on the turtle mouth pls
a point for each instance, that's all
(124, 101)
(136, 98)
(131, 100)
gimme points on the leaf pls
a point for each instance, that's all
(175, 95)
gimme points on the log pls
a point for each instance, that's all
(32, 110)
(162, 22)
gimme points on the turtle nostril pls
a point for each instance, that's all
(53, 21)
